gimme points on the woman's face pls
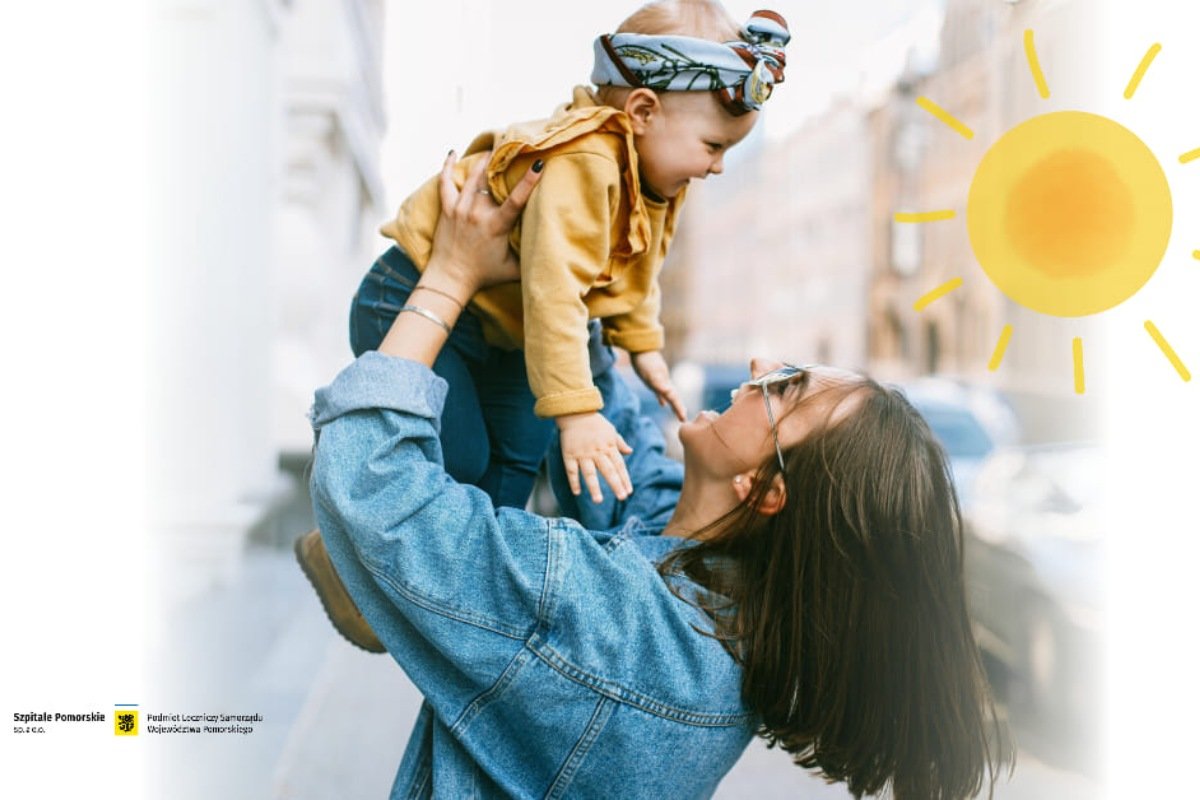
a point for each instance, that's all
(741, 439)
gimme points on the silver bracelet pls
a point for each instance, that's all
(435, 290)
(427, 314)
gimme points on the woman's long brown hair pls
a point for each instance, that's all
(847, 609)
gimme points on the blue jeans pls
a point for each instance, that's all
(489, 433)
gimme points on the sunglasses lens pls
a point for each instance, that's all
(781, 375)
(771, 379)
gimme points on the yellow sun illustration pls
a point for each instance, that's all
(1069, 214)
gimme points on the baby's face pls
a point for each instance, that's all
(686, 138)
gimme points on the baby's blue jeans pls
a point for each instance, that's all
(489, 433)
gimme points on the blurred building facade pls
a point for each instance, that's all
(921, 165)
(984, 80)
(798, 252)
(268, 117)
(770, 258)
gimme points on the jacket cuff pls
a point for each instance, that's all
(636, 341)
(580, 401)
(375, 380)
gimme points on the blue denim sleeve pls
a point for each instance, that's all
(443, 578)
(656, 478)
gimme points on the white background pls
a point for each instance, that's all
(72, 314)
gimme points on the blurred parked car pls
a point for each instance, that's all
(1033, 558)
(970, 422)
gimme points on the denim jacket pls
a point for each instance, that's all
(554, 659)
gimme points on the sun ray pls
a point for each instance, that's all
(1140, 72)
(1168, 351)
(1190, 155)
(946, 117)
(941, 291)
(1034, 66)
(1077, 352)
(1001, 346)
(924, 216)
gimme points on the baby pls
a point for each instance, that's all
(678, 84)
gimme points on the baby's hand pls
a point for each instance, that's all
(591, 445)
(652, 368)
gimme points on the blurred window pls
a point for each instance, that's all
(933, 347)
(906, 248)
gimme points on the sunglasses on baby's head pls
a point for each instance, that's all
(788, 373)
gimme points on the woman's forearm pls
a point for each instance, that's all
(413, 334)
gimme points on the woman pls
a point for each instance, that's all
(799, 579)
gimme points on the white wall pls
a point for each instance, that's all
(267, 118)
(213, 104)
(329, 201)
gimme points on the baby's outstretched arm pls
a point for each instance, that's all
(652, 368)
(592, 446)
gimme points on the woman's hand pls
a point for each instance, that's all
(470, 244)
(652, 368)
(470, 252)
(591, 445)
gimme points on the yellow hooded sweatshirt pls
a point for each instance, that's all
(590, 245)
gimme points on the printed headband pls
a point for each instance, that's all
(742, 73)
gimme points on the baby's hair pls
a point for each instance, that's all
(702, 19)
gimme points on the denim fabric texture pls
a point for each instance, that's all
(555, 661)
(489, 433)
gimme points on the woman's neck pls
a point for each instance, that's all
(700, 504)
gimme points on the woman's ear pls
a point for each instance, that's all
(641, 106)
(772, 501)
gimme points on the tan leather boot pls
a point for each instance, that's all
(339, 607)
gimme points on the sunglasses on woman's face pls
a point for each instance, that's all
(788, 373)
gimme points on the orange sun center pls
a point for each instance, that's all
(1070, 214)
